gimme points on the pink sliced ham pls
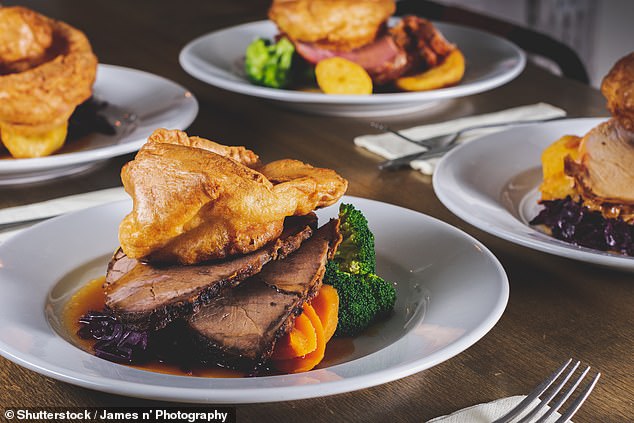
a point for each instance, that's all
(383, 59)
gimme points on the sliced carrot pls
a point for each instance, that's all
(301, 340)
(307, 362)
(326, 305)
(296, 352)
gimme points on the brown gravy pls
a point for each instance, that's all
(91, 297)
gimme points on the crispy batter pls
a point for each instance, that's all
(191, 204)
(313, 187)
(618, 89)
(25, 38)
(47, 94)
(340, 25)
(174, 136)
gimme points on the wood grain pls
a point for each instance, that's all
(557, 308)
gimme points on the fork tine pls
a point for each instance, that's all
(533, 395)
(551, 395)
(579, 401)
(557, 405)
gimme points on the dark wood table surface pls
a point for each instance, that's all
(557, 308)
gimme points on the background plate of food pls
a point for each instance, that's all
(450, 291)
(380, 71)
(126, 106)
(496, 182)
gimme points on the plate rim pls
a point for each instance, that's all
(541, 242)
(54, 161)
(188, 62)
(259, 395)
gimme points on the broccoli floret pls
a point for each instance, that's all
(357, 305)
(363, 296)
(356, 253)
(269, 64)
(383, 291)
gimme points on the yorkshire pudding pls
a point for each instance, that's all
(25, 37)
(196, 200)
(47, 68)
(618, 89)
(48, 93)
(341, 25)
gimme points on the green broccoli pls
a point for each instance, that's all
(357, 305)
(269, 64)
(383, 291)
(356, 253)
(363, 296)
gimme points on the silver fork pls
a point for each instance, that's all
(437, 151)
(526, 404)
(439, 145)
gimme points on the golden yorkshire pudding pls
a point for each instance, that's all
(48, 93)
(25, 38)
(174, 136)
(340, 25)
(194, 204)
(48, 70)
(618, 89)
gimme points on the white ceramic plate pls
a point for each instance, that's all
(450, 292)
(217, 58)
(156, 102)
(492, 183)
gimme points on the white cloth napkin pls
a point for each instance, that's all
(488, 412)
(391, 146)
(56, 207)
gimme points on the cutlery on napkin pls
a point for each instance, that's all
(390, 146)
(21, 216)
(488, 412)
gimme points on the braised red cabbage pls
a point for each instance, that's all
(571, 221)
(115, 341)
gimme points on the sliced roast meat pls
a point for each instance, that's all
(148, 297)
(383, 59)
(239, 328)
(604, 176)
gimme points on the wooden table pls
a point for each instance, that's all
(557, 308)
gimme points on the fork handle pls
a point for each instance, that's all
(405, 160)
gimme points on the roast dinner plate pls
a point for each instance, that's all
(139, 101)
(492, 183)
(218, 59)
(450, 292)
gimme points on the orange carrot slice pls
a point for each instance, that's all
(326, 305)
(307, 362)
(301, 340)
